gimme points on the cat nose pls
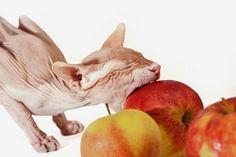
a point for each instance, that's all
(156, 68)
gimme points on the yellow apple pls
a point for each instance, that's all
(130, 133)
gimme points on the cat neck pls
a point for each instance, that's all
(67, 97)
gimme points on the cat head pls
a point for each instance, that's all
(111, 73)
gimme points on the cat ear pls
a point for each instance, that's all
(116, 39)
(68, 72)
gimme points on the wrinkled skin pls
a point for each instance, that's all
(35, 78)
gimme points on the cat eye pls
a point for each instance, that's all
(128, 66)
(90, 62)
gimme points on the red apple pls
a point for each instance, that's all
(130, 133)
(172, 105)
(213, 132)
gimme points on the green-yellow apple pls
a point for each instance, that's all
(130, 133)
(172, 105)
(213, 132)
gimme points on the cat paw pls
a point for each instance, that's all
(47, 144)
(71, 128)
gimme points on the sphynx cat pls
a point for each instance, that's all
(35, 78)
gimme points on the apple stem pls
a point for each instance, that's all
(227, 106)
(108, 110)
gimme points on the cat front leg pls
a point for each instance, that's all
(67, 127)
(23, 117)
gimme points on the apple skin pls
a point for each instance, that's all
(213, 132)
(172, 105)
(130, 133)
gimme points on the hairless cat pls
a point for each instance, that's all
(35, 78)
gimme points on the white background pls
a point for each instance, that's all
(194, 41)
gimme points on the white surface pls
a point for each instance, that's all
(194, 41)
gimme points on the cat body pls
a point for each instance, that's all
(35, 78)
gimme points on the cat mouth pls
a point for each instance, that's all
(152, 77)
(158, 75)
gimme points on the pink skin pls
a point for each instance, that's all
(36, 80)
